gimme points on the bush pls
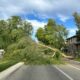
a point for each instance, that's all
(57, 55)
(5, 64)
(28, 50)
(33, 55)
(24, 42)
(48, 51)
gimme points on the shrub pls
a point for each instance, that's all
(28, 50)
(5, 64)
(57, 55)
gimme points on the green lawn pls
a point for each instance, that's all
(78, 59)
(5, 64)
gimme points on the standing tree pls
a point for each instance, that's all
(77, 20)
(40, 35)
(27, 28)
(14, 22)
(12, 30)
(52, 34)
(3, 34)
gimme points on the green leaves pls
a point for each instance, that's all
(14, 22)
(77, 20)
(40, 34)
(52, 34)
(12, 30)
(27, 27)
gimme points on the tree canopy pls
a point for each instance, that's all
(52, 34)
(13, 29)
(77, 20)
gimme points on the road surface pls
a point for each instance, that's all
(48, 72)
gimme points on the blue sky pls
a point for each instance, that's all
(38, 11)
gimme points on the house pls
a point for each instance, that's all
(73, 45)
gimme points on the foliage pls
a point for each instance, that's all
(57, 55)
(15, 38)
(52, 34)
(48, 51)
(77, 20)
(13, 29)
(5, 64)
(28, 29)
(40, 34)
(26, 50)
(77, 59)
(77, 54)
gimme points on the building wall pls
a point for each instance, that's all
(78, 47)
(71, 41)
(72, 48)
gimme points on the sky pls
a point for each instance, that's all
(39, 11)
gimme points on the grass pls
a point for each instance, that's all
(77, 59)
(30, 59)
(5, 64)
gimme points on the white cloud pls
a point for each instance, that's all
(72, 31)
(49, 8)
(63, 18)
(62, 9)
(36, 24)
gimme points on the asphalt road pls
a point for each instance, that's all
(48, 72)
(72, 71)
(37, 73)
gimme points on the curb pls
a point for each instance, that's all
(10, 70)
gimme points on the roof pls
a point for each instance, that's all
(71, 37)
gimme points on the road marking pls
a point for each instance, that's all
(74, 67)
(70, 78)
